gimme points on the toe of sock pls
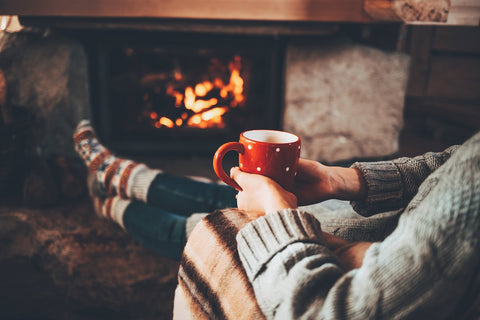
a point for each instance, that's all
(84, 123)
(83, 130)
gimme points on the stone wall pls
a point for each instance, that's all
(344, 100)
(47, 74)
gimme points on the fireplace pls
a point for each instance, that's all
(167, 92)
(156, 86)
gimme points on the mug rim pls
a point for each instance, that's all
(245, 134)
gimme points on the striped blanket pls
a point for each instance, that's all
(212, 283)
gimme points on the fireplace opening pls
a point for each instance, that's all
(172, 93)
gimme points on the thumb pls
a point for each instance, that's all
(239, 176)
(235, 173)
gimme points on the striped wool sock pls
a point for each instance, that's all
(110, 175)
(112, 208)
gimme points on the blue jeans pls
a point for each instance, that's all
(159, 224)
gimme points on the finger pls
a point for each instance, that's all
(233, 172)
(239, 176)
(303, 165)
(304, 169)
(240, 201)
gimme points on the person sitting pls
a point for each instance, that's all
(426, 268)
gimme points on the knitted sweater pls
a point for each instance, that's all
(426, 269)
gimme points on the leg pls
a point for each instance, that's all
(184, 196)
(110, 175)
(156, 229)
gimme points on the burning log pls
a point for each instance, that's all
(197, 105)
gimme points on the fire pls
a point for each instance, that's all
(202, 105)
(189, 98)
(164, 121)
(178, 96)
(203, 88)
(208, 118)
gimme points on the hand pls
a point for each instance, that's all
(261, 194)
(316, 182)
(350, 254)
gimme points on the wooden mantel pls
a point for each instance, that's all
(283, 10)
(363, 11)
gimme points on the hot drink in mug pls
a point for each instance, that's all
(270, 153)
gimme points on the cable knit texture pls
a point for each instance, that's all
(428, 268)
(392, 184)
(140, 181)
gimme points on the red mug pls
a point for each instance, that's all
(270, 153)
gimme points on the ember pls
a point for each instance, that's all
(179, 103)
(180, 92)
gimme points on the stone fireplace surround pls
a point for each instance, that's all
(344, 99)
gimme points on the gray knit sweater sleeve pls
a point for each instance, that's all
(423, 270)
(392, 184)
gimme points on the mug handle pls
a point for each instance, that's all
(218, 160)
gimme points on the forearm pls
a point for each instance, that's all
(347, 184)
(422, 270)
(292, 266)
(295, 275)
(261, 250)
(316, 182)
(392, 184)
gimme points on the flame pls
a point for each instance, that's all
(206, 102)
(195, 121)
(214, 113)
(177, 75)
(224, 93)
(237, 83)
(165, 122)
(208, 118)
(203, 88)
(177, 95)
(189, 98)
(200, 105)
(219, 83)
